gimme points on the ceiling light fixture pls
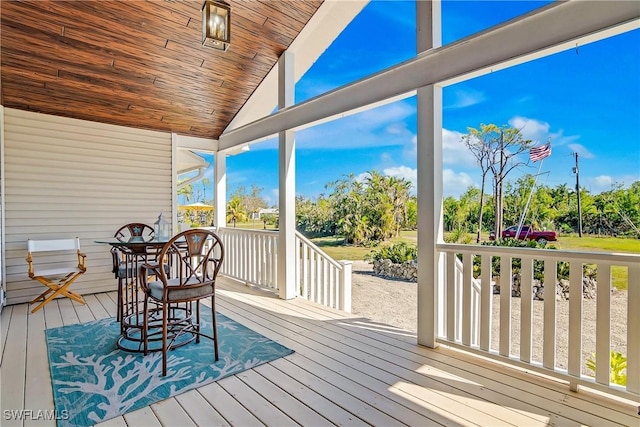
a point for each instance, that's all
(216, 24)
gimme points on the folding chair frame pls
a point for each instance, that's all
(57, 287)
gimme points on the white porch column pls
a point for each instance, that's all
(220, 190)
(429, 161)
(287, 187)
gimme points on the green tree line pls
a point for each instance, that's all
(615, 212)
(377, 208)
(364, 211)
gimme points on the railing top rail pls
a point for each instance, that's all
(619, 258)
(308, 242)
(232, 230)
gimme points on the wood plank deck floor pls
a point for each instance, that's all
(345, 370)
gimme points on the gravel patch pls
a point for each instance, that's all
(394, 302)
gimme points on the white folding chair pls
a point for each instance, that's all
(57, 276)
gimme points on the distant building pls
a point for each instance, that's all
(263, 212)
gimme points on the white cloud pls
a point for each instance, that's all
(464, 98)
(539, 132)
(581, 150)
(599, 184)
(454, 152)
(530, 128)
(362, 177)
(382, 126)
(455, 183)
(386, 157)
(404, 172)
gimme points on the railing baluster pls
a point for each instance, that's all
(345, 286)
(549, 325)
(252, 259)
(485, 302)
(450, 305)
(575, 322)
(325, 290)
(633, 329)
(262, 260)
(505, 305)
(603, 323)
(273, 250)
(243, 258)
(262, 264)
(305, 270)
(526, 308)
(467, 276)
(334, 286)
(297, 245)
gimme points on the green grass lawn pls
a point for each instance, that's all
(603, 244)
(336, 249)
(598, 244)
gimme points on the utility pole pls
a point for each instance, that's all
(577, 172)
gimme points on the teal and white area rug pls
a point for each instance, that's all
(94, 381)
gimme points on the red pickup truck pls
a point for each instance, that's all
(527, 232)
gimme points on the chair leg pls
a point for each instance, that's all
(197, 321)
(119, 308)
(54, 290)
(165, 316)
(215, 326)
(145, 327)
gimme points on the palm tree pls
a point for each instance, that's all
(236, 211)
(400, 193)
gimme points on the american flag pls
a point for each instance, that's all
(539, 153)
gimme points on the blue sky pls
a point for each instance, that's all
(586, 100)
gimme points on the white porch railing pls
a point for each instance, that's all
(320, 278)
(468, 319)
(251, 256)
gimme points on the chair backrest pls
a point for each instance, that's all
(133, 230)
(191, 258)
(53, 245)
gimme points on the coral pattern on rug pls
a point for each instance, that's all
(94, 381)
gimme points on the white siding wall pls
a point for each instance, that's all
(67, 178)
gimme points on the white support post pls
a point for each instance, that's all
(429, 156)
(287, 187)
(633, 330)
(345, 288)
(174, 184)
(220, 190)
(3, 272)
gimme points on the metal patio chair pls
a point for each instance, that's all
(125, 265)
(185, 273)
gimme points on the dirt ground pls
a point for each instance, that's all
(394, 302)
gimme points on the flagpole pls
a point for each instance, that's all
(526, 207)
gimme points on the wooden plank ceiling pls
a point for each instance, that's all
(140, 63)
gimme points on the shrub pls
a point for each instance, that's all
(618, 367)
(589, 270)
(455, 236)
(396, 253)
